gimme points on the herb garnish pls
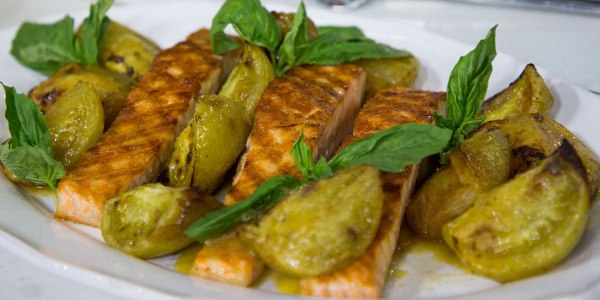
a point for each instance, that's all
(218, 222)
(467, 87)
(389, 150)
(28, 154)
(334, 45)
(250, 20)
(47, 47)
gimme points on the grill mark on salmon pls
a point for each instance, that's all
(134, 149)
(320, 101)
(365, 278)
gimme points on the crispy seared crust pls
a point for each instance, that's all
(135, 147)
(365, 278)
(306, 99)
(392, 107)
(321, 102)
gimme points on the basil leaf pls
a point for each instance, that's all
(468, 126)
(25, 122)
(92, 32)
(334, 45)
(322, 169)
(442, 122)
(29, 151)
(303, 158)
(349, 31)
(45, 47)
(334, 48)
(250, 20)
(298, 35)
(32, 164)
(467, 87)
(218, 222)
(469, 79)
(393, 149)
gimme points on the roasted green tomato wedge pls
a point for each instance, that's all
(321, 227)
(76, 123)
(149, 221)
(111, 87)
(479, 163)
(389, 72)
(527, 225)
(527, 95)
(533, 137)
(210, 144)
(126, 52)
(249, 78)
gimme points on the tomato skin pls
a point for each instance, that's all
(323, 226)
(149, 221)
(527, 225)
(76, 122)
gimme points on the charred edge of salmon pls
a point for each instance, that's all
(138, 143)
(365, 278)
(320, 101)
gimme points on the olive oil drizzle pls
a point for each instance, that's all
(283, 283)
(185, 261)
(411, 243)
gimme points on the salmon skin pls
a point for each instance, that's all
(134, 149)
(365, 278)
(319, 101)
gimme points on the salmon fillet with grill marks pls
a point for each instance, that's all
(319, 101)
(365, 278)
(140, 140)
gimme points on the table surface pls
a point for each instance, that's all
(526, 33)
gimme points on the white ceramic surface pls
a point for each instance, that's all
(77, 253)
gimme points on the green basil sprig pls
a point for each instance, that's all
(304, 162)
(389, 150)
(218, 222)
(28, 153)
(47, 47)
(333, 45)
(392, 150)
(348, 30)
(467, 87)
(250, 20)
(298, 35)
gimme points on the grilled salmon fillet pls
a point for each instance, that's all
(319, 101)
(365, 278)
(134, 149)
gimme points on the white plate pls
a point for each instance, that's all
(77, 252)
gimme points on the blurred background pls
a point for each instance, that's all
(562, 36)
